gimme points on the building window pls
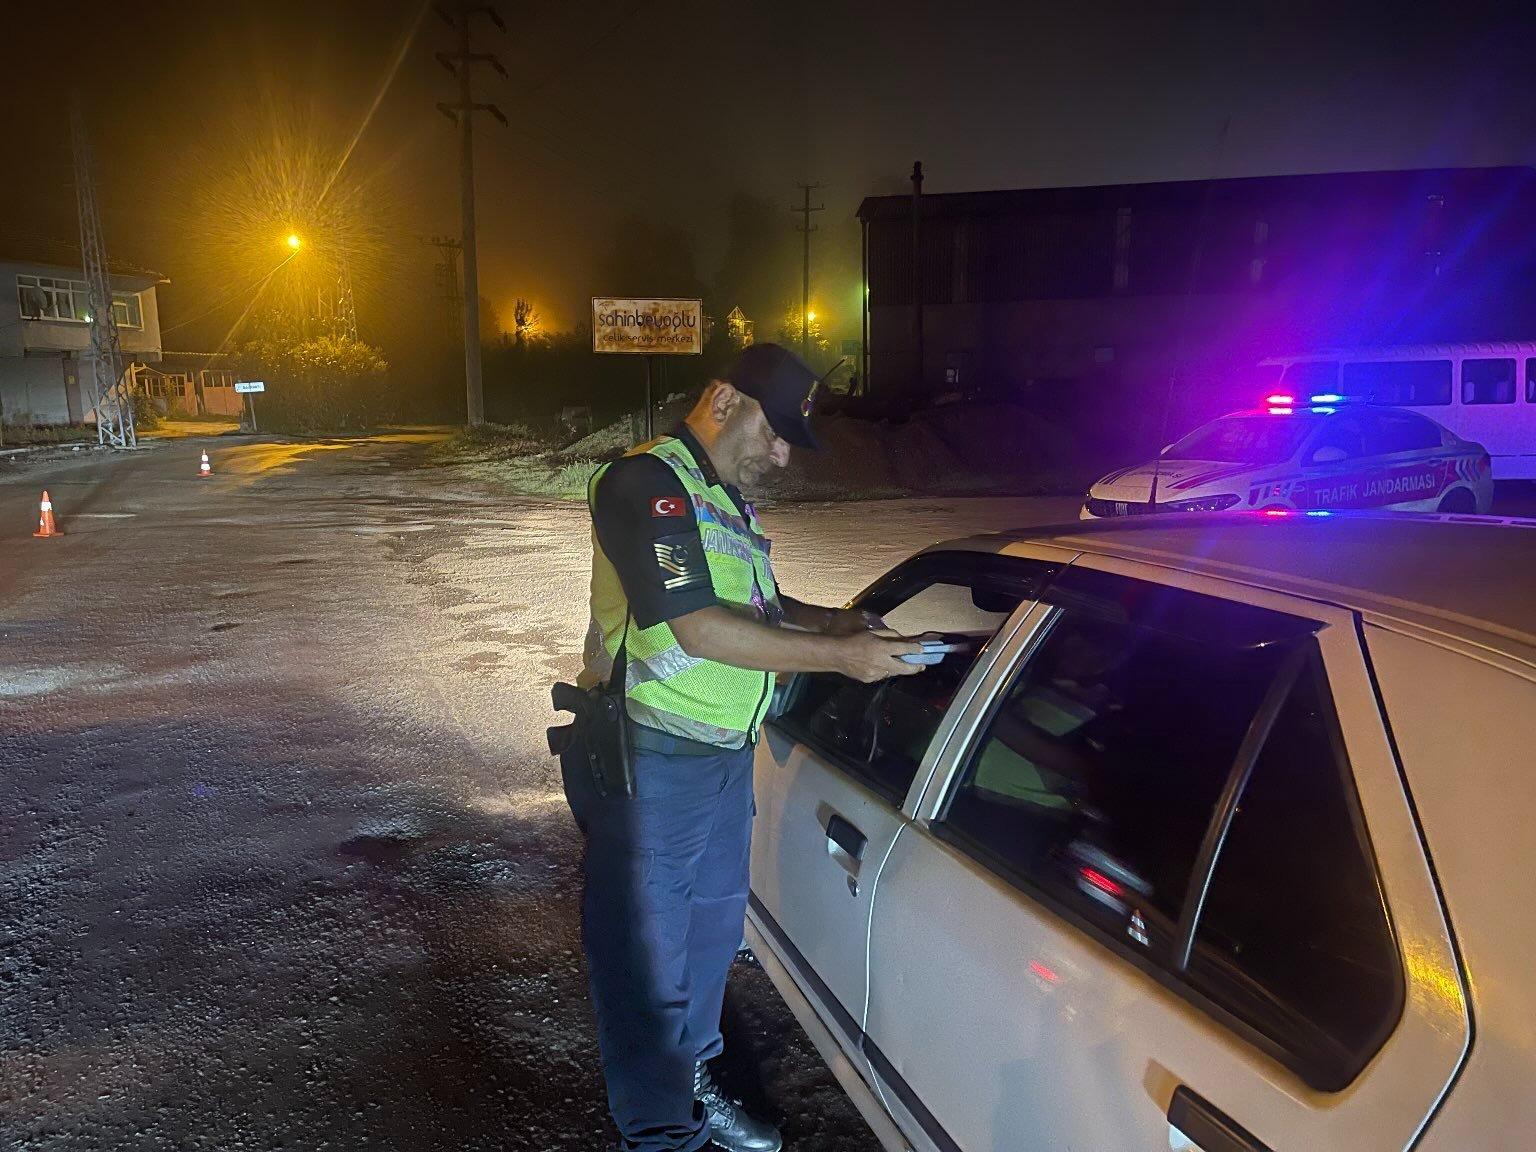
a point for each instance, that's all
(1122, 249)
(126, 308)
(1260, 242)
(47, 298)
(51, 298)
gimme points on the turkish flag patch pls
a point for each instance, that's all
(667, 506)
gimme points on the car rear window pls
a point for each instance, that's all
(1294, 935)
(1145, 722)
(1257, 440)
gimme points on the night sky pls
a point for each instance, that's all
(665, 111)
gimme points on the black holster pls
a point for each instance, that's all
(602, 728)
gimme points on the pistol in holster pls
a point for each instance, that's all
(602, 726)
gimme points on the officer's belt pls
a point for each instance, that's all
(653, 740)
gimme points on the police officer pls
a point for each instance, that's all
(681, 579)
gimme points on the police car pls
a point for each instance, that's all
(1322, 453)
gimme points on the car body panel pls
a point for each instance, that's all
(807, 889)
(1480, 824)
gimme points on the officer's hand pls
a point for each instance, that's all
(847, 621)
(867, 657)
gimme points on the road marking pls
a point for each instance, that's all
(102, 515)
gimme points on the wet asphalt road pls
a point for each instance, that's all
(283, 863)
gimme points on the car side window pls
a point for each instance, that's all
(879, 733)
(1340, 434)
(1294, 936)
(1530, 381)
(1096, 782)
(1096, 776)
(1490, 381)
(1390, 432)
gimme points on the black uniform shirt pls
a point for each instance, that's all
(646, 527)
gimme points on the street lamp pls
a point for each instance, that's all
(294, 241)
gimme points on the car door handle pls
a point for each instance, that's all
(1211, 1129)
(846, 836)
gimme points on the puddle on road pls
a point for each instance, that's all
(18, 682)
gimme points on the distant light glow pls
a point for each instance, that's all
(1277, 511)
(1319, 512)
(1281, 411)
(294, 241)
(1327, 398)
(810, 317)
(1325, 411)
(1281, 398)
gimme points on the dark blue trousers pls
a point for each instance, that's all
(661, 919)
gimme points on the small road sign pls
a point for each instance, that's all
(649, 326)
(250, 385)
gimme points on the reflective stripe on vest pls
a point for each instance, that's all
(665, 688)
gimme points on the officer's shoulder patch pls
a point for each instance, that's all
(681, 560)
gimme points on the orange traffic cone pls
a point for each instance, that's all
(205, 469)
(45, 521)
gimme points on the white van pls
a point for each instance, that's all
(1482, 392)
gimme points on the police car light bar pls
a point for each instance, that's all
(1281, 399)
(1328, 398)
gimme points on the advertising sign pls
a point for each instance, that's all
(651, 327)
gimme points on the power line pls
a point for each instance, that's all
(227, 297)
(389, 77)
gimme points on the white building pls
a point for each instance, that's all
(45, 333)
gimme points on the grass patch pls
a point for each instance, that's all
(543, 475)
(491, 442)
(34, 435)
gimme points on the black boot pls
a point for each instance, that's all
(729, 1125)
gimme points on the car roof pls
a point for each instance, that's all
(1471, 577)
(1311, 411)
(1409, 352)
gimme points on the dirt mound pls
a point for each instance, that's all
(853, 462)
(951, 450)
(976, 448)
(1004, 441)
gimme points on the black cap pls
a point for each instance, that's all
(780, 381)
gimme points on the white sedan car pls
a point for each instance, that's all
(1211, 835)
(1319, 456)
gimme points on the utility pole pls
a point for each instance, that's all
(109, 392)
(447, 277)
(805, 227)
(461, 64)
